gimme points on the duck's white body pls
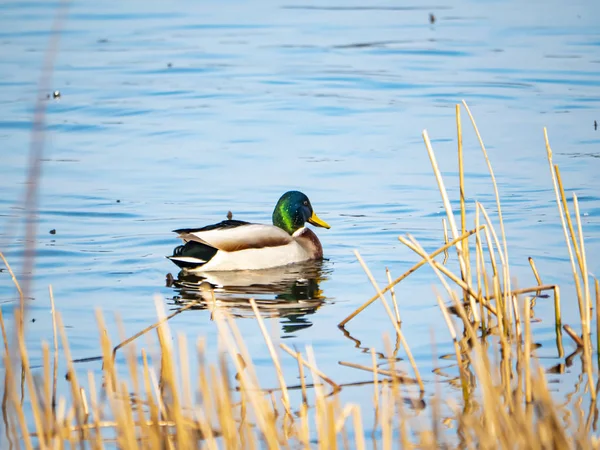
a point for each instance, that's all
(234, 245)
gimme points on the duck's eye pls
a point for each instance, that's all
(305, 202)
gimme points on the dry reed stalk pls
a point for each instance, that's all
(332, 432)
(435, 403)
(375, 384)
(445, 240)
(586, 316)
(582, 261)
(95, 408)
(108, 363)
(208, 407)
(431, 262)
(126, 424)
(395, 382)
(301, 375)
(33, 395)
(489, 241)
(402, 379)
(169, 374)
(336, 387)
(580, 252)
(152, 405)
(506, 274)
(55, 342)
(303, 434)
(477, 348)
(184, 370)
(573, 335)
(341, 421)
(463, 209)
(359, 438)
(206, 394)
(495, 291)
(320, 404)
(243, 355)
(7, 380)
(538, 279)
(459, 360)
(450, 215)
(558, 194)
(403, 276)
(498, 295)
(246, 435)
(152, 327)
(527, 350)
(44, 392)
(542, 394)
(394, 323)
(448, 273)
(72, 375)
(480, 362)
(13, 277)
(528, 290)
(84, 404)
(481, 272)
(4, 335)
(597, 290)
(247, 378)
(565, 205)
(393, 295)
(124, 408)
(558, 321)
(387, 412)
(158, 394)
(274, 357)
(15, 403)
(224, 408)
(19, 336)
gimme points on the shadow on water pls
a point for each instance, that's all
(291, 292)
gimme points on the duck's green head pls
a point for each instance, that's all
(293, 210)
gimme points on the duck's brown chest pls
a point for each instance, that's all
(310, 242)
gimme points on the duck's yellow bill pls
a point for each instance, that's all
(314, 219)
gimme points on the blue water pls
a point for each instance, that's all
(171, 116)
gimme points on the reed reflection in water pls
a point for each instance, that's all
(291, 292)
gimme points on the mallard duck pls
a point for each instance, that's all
(238, 245)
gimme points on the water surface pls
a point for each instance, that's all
(171, 116)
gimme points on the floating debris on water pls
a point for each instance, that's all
(53, 231)
(169, 65)
(431, 18)
(595, 125)
(118, 201)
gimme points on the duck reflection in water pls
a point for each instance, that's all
(291, 292)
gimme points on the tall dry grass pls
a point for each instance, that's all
(505, 402)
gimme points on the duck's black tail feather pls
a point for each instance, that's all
(192, 255)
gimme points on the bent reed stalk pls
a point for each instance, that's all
(503, 403)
